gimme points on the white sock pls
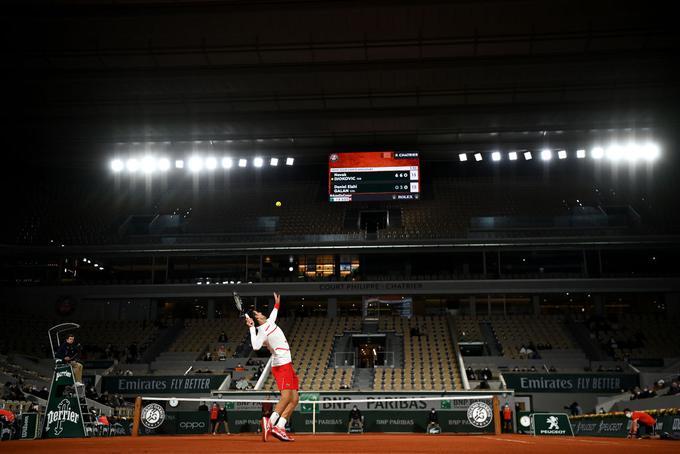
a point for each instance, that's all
(274, 417)
(281, 424)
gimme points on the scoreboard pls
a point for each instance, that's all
(374, 175)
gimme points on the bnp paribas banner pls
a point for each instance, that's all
(63, 418)
(170, 384)
(331, 414)
(604, 383)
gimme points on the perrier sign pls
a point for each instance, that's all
(63, 418)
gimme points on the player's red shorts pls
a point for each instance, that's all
(285, 377)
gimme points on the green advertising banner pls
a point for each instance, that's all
(617, 425)
(523, 422)
(63, 418)
(553, 424)
(308, 408)
(156, 421)
(570, 383)
(171, 384)
(468, 415)
(29, 426)
(193, 422)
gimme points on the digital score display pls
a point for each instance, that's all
(373, 175)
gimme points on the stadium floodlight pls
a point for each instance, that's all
(462, 157)
(210, 163)
(242, 162)
(597, 153)
(132, 165)
(562, 154)
(528, 156)
(117, 165)
(290, 161)
(614, 152)
(179, 163)
(546, 154)
(274, 162)
(632, 152)
(512, 156)
(227, 163)
(496, 156)
(580, 154)
(258, 162)
(163, 164)
(148, 164)
(478, 157)
(195, 164)
(651, 151)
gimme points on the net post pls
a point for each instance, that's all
(314, 417)
(496, 415)
(137, 416)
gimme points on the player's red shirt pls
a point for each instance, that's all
(643, 417)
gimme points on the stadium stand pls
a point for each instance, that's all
(312, 340)
(640, 336)
(201, 335)
(429, 358)
(456, 208)
(101, 339)
(468, 329)
(541, 333)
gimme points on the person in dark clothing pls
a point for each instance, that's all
(574, 408)
(355, 419)
(68, 351)
(203, 407)
(222, 419)
(433, 422)
(222, 338)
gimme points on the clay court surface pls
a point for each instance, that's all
(343, 444)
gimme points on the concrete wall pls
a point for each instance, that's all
(557, 402)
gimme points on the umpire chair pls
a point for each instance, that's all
(67, 414)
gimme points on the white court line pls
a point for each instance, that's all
(601, 442)
(508, 439)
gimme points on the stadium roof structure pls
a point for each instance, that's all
(314, 76)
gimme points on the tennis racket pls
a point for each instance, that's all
(238, 302)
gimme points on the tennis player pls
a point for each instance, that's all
(269, 334)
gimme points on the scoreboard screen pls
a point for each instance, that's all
(373, 175)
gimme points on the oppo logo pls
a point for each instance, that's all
(192, 425)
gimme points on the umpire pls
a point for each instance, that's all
(68, 352)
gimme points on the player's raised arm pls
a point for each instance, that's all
(256, 338)
(275, 311)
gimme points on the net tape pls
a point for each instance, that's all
(267, 401)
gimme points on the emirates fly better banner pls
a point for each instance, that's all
(171, 384)
(570, 383)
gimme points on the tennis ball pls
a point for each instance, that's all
(278, 203)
